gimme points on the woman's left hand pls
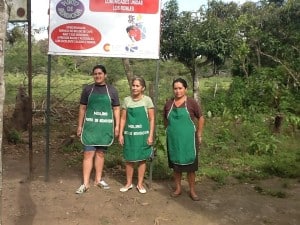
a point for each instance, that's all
(121, 139)
(200, 139)
(150, 141)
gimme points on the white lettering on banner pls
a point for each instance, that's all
(135, 126)
(69, 2)
(116, 1)
(67, 15)
(101, 113)
(124, 2)
(123, 8)
(137, 2)
(89, 119)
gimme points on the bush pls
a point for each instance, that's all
(14, 137)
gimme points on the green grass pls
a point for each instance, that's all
(61, 87)
(215, 83)
(225, 152)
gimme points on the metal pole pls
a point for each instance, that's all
(155, 105)
(30, 154)
(156, 85)
(48, 120)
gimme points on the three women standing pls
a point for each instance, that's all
(99, 121)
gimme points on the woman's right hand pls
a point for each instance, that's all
(79, 130)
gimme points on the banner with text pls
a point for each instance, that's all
(107, 28)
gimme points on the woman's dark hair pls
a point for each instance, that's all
(180, 80)
(140, 79)
(101, 67)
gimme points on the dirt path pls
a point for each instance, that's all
(54, 202)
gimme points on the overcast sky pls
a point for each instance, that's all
(40, 17)
(39, 9)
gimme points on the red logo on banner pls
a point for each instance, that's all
(125, 6)
(76, 36)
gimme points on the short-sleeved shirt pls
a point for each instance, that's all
(100, 89)
(195, 113)
(146, 101)
(192, 106)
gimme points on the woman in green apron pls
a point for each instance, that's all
(184, 124)
(136, 132)
(98, 123)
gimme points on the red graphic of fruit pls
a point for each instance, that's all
(134, 33)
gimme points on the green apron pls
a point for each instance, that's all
(98, 127)
(181, 136)
(136, 133)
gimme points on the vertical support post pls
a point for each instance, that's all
(48, 120)
(3, 22)
(30, 154)
(155, 105)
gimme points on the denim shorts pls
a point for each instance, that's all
(95, 148)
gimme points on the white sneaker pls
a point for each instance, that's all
(82, 189)
(103, 184)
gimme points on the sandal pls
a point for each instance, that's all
(125, 189)
(141, 190)
(175, 195)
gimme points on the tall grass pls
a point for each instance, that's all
(62, 87)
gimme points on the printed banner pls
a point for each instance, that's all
(107, 28)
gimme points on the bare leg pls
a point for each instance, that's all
(99, 164)
(141, 173)
(87, 166)
(177, 179)
(129, 173)
(191, 179)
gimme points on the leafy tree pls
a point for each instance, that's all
(198, 38)
(15, 33)
(271, 32)
(267, 57)
(16, 57)
(220, 32)
(179, 39)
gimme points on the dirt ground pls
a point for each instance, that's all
(37, 202)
